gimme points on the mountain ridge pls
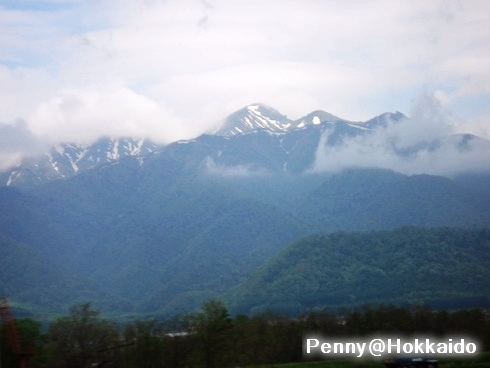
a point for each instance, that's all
(258, 116)
(175, 231)
(69, 159)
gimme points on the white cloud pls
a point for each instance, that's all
(15, 141)
(231, 170)
(424, 143)
(86, 114)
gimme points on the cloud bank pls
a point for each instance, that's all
(211, 167)
(16, 140)
(424, 143)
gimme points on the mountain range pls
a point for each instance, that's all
(139, 227)
(282, 145)
(293, 145)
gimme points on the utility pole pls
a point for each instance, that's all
(13, 337)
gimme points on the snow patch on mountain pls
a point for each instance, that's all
(252, 118)
(69, 159)
(114, 154)
(257, 117)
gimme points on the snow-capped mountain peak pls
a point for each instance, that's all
(295, 142)
(261, 117)
(252, 118)
(69, 159)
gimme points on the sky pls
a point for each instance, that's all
(73, 70)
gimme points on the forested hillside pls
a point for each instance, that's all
(36, 280)
(442, 267)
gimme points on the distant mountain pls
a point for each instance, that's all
(384, 119)
(258, 138)
(292, 145)
(69, 159)
(166, 227)
(258, 117)
(445, 268)
(168, 235)
(252, 118)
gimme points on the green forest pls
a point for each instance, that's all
(164, 238)
(442, 267)
(212, 337)
(445, 268)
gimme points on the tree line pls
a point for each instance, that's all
(213, 338)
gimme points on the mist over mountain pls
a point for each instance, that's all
(162, 228)
(260, 138)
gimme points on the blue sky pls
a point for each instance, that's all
(35, 5)
(75, 70)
